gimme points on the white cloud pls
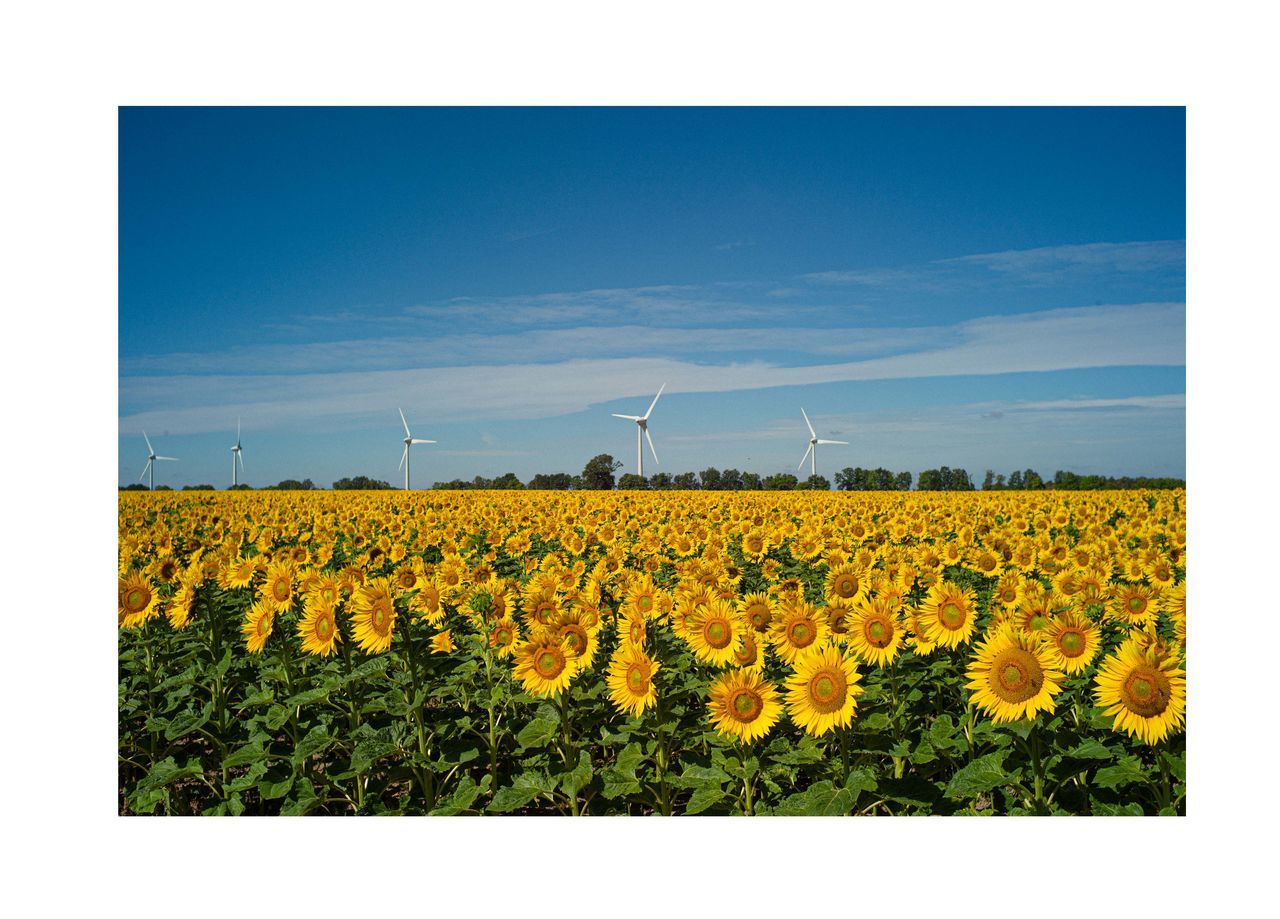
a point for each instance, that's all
(1147, 334)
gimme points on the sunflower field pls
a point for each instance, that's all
(634, 653)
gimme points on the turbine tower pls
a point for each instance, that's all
(149, 472)
(812, 453)
(409, 440)
(235, 455)
(642, 432)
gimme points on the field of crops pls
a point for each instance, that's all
(446, 653)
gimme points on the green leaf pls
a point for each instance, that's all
(277, 715)
(805, 753)
(873, 723)
(579, 777)
(1091, 749)
(249, 753)
(1103, 809)
(272, 787)
(303, 800)
(523, 789)
(186, 722)
(464, 796)
(861, 780)
(821, 799)
(261, 697)
(1125, 772)
(368, 752)
(705, 795)
(307, 697)
(620, 778)
(981, 775)
(166, 772)
(538, 732)
(317, 740)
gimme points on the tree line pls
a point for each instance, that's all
(599, 474)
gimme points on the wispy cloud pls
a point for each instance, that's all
(1147, 334)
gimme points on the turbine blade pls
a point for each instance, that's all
(651, 450)
(403, 456)
(237, 432)
(845, 442)
(403, 422)
(150, 449)
(655, 401)
(240, 457)
(812, 432)
(628, 417)
(173, 459)
(144, 471)
(805, 457)
(417, 441)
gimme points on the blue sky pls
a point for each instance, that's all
(987, 288)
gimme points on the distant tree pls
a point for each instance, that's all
(1015, 479)
(731, 480)
(293, 485)
(481, 482)
(685, 481)
(597, 475)
(817, 483)
(1031, 479)
(1000, 481)
(197, 488)
(989, 481)
(660, 480)
(902, 481)
(240, 487)
(577, 483)
(710, 479)
(551, 481)
(164, 488)
(360, 483)
(780, 481)
(751, 481)
(882, 479)
(136, 486)
(507, 481)
(930, 480)
(844, 479)
(633, 482)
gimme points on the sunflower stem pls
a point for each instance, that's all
(1038, 767)
(748, 784)
(566, 745)
(355, 722)
(421, 769)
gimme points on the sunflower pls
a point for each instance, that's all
(1133, 604)
(136, 600)
(748, 653)
(755, 545)
(948, 614)
(503, 636)
(1013, 676)
(442, 642)
(799, 628)
(426, 602)
(278, 588)
(239, 573)
(630, 680)
(823, 693)
(633, 630)
(182, 604)
(844, 584)
(758, 610)
(373, 616)
(544, 665)
(318, 628)
(744, 705)
(712, 631)
(258, 621)
(642, 598)
(1074, 641)
(579, 634)
(876, 631)
(1145, 691)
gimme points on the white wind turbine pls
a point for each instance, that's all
(642, 432)
(812, 453)
(409, 440)
(235, 455)
(149, 472)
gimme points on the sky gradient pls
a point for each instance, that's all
(986, 288)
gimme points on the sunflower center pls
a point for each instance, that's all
(717, 634)
(636, 633)
(502, 637)
(846, 586)
(951, 616)
(323, 626)
(549, 664)
(575, 636)
(746, 705)
(280, 590)
(1146, 691)
(759, 617)
(380, 620)
(645, 603)
(827, 690)
(878, 633)
(1038, 622)
(745, 652)
(264, 625)
(1135, 604)
(136, 600)
(1016, 675)
(801, 634)
(637, 679)
(1071, 644)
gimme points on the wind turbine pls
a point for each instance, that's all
(409, 440)
(812, 453)
(149, 473)
(642, 432)
(235, 455)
